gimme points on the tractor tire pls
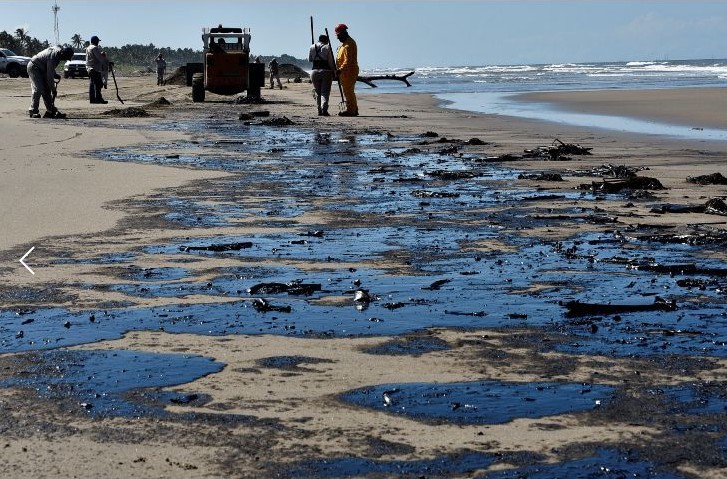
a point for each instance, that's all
(13, 70)
(198, 88)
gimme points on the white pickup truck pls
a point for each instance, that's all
(12, 64)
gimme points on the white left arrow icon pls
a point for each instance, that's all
(23, 262)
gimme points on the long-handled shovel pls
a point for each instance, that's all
(54, 94)
(341, 106)
(111, 68)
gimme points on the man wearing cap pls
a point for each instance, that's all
(347, 68)
(94, 65)
(42, 74)
(321, 56)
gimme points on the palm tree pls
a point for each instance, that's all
(22, 36)
(76, 41)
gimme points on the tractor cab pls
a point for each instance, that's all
(225, 63)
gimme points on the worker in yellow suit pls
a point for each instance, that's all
(347, 69)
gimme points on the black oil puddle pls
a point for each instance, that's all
(448, 285)
(606, 464)
(98, 381)
(443, 466)
(481, 402)
(363, 173)
(698, 398)
(438, 233)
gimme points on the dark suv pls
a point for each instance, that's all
(76, 66)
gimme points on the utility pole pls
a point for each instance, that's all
(55, 8)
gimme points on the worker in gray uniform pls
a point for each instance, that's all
(94, 65)
(42, 74)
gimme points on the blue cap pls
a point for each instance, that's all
(95, 39)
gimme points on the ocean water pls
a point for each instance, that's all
(490, 89)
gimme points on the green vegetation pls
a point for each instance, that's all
(128, 58)
(22, 43)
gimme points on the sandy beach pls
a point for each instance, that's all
(109, 201)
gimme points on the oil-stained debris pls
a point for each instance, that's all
(577, 308)
(571, 148)
(680, 269)
(671, 208)
(313, 234)
(281, 121)
(409, 179)
(292, 288)
(248, 100)
(692, 239)
(322, 138)
(399, 154)
(161, 101)
(452, 175)
(477, 314)
(437, 285)
(475, 142)
(616, 186)
(429, 134)
(449, 150)
(540, 176)
(715, 206)
(609, 171)
(362, 296)
(219, 247)
(291, 363)
(713, 179)
(263, 306)
(557, 151)
(129, 112)
(552, 197)
(692, 283)
(433, 194)
(601, 219)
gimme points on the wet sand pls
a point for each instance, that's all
(693, 107)
(277, 401)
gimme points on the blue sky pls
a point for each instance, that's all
(406, 33)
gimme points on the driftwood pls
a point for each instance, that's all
(615, 186)
(369, 80)
(715, 206)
